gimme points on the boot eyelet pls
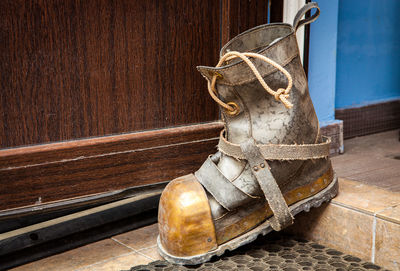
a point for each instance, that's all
(212, 73)
(236, 109)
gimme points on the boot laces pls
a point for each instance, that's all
(281, 94)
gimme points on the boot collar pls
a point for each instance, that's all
(276, 41)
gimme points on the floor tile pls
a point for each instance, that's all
(77, 258)
(391, 214)
(140, 238)
(123, 262)
(386, 178)
(364, 197)
(337, 227)
(387, 244)
(372, 159)
(152, 252)
(378, 145)
(351, 165)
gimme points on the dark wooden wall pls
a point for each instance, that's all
(238, 16)
(77, 69)
(74, 69)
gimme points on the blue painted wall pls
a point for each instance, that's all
(368, 52)
(322, 60)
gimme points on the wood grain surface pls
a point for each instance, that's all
(32, 178)
(239, 16)
(76, 69)
(86, 84)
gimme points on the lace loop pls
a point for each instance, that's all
(281, 94)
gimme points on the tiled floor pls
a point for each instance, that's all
(363, 220)
(120, 252)
(373, 159)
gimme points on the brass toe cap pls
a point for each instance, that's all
(184, 218)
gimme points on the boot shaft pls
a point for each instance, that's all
(260, 177)
(261, 116)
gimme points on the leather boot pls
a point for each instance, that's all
(272, 162)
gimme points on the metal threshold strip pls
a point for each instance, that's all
(65, 225)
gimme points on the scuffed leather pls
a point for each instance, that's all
(260, 168)
(230, 197)
(261, 116)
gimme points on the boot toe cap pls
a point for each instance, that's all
(185, 223)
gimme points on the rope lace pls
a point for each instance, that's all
(281, 94)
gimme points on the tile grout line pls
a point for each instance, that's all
(119, 242)
(356, 209)
(154, 246)
(384, 209)
(365, 212)
(386, 218)
(135, 250)
(148, 257)
(373, 239)
(105, 260)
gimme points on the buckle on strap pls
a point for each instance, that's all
(279, 151)
(261, 170)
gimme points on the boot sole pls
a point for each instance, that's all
(324, 195)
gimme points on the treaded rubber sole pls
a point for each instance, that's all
(324, 195)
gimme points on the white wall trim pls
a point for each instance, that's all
(290, 8)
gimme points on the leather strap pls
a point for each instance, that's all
(297, 22)
(261, 170)
(225, 192)
(279, 151)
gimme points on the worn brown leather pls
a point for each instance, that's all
(262, 117)
(246, 181)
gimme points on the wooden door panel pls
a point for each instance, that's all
(76, 69)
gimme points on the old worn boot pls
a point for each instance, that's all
(272, 161)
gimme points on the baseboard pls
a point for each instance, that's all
(55, 176)
(369, 119)
(33, 178)
(334, 130)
